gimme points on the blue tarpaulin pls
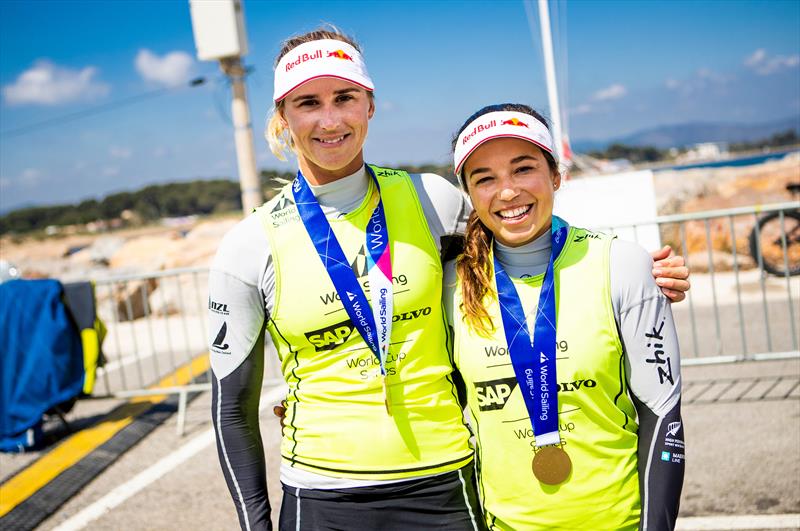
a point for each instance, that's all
(41, 357)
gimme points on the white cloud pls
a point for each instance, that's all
(118, 152)
(172, 69)
(709, 75)
(5, 182)
(755, 58)
(48, 84)
(580, 109)
(672, 84)
(764, 65)
(614, 92)
(30, 176)
(110, 171)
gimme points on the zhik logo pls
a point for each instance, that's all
(494, 393)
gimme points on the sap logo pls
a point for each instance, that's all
(218, 307)
(330, 337)
(494, 393)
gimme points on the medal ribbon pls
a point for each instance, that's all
(375, 326)
(534, 358)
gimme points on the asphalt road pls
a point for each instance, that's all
(743, 457)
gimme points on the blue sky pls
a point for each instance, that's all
(625, 66)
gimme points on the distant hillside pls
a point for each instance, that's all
(679, 135)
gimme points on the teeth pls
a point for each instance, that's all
(332, 140)
(514, 212)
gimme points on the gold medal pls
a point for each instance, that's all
(386, 400)
(551, 465)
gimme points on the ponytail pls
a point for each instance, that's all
(278, 135)
(474, 270)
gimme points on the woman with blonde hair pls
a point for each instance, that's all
(342, 272)
(566, 345)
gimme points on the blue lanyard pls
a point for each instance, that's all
(534, 358)
(377, 336)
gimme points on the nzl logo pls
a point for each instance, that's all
(494, 393)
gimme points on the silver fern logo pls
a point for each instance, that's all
(672, 428)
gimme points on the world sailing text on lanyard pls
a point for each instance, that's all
(534, 358)
(375, 326)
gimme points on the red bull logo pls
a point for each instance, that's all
(339, 54)
(477, 129)
(303, 58)
(514, 121)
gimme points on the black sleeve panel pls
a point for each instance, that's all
(452, 245)
(234, 409)
(662, 460)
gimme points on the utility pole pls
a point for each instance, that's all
(243, 135)
(219, 34)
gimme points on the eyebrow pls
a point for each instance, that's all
(515, 160)
(304, 97)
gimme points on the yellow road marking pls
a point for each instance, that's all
(73, 449)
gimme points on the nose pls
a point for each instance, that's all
(329, 118)
(508, 190)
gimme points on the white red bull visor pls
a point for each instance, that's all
(497, 125)
(322, 58)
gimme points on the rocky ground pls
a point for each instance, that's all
(157, 247)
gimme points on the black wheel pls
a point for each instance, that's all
(767, 240)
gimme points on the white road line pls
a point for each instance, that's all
(154, 472)
(750, 521)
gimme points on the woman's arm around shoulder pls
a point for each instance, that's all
(446, 210)
(652, 363)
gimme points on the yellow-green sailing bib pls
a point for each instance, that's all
(596, 417)
(336, 422)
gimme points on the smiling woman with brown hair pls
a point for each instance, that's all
(577, 412)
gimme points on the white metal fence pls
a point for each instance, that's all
(734, 311)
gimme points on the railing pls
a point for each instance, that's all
(157, 323)
(734, 311)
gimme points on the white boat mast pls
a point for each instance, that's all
(550, 77)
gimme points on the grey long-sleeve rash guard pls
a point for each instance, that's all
(241, 296)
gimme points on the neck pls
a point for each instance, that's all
(317, 175)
